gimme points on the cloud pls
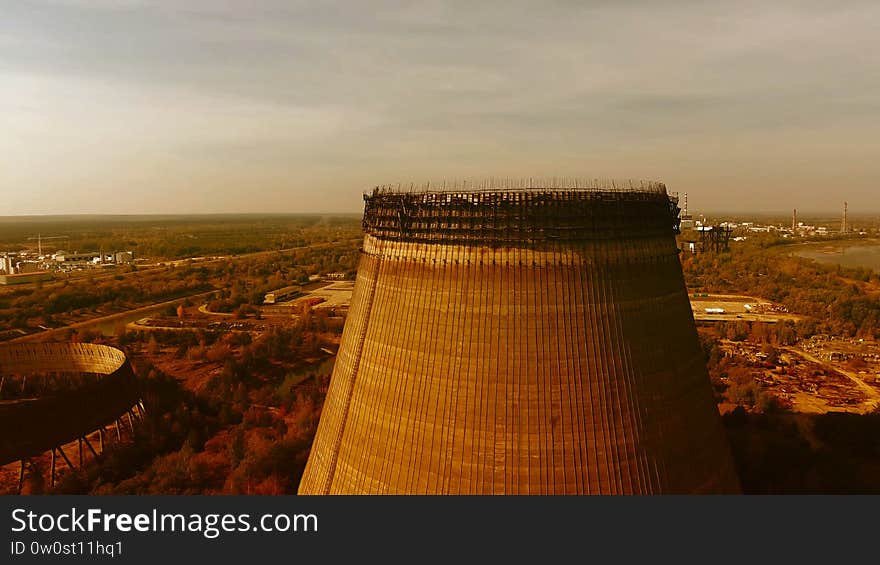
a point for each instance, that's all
(278, 99)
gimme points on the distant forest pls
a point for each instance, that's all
(324, 244)
(171, 237)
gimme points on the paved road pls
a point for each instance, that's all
(143, 309)
(40, 336)
(204, 310)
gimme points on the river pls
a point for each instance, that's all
(859, 255)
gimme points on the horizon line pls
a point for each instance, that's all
(800, 212)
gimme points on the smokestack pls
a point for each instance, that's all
(520, 341)
(843, 224)
(794, 225)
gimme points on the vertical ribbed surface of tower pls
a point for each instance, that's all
(520, 341)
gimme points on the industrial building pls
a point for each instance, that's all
(282, 294)
(7, 264)
(27, 267)
(123, 257)
(16, 263)
(528, 340)
(65, 260)
(26, 278)
(77, 258)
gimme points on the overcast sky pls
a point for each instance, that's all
(141, 106)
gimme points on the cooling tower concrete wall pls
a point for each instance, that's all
(32, 426)
(534, 351)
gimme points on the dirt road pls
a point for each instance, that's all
(872, 393)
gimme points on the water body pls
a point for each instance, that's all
(862, 255)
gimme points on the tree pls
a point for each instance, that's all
(771, 353)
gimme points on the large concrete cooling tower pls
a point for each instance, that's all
(520, 341)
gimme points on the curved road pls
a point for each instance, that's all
(144, 309)
(109, 318)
